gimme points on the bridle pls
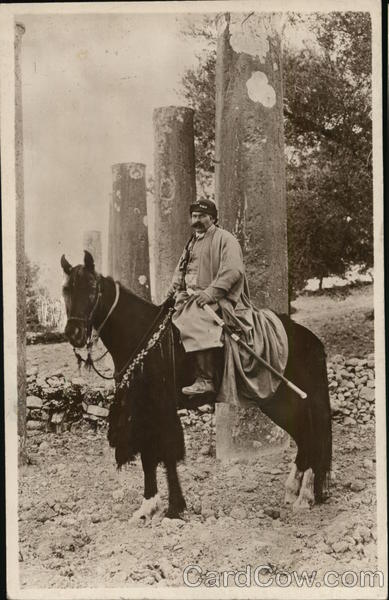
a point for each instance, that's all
(87, 321)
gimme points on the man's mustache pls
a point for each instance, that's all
(198, 226)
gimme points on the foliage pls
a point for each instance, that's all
(33, 291)
(199, 93)
(328, 135)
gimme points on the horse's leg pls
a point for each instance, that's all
(306, 496)
(151, 499)
(293, 484)
(290, 412)
(176, 499)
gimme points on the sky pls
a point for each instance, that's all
(90, 84)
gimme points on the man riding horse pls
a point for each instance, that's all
(211, 271)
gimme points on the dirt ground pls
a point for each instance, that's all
(75, 510)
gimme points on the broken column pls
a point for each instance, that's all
(20, 249)
(250, 183)
(174, 191)
(128, 243)
(92, 243)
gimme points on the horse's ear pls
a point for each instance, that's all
(67, 267)
(88, 261)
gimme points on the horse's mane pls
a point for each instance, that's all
(128, 292)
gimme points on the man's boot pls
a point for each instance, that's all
(205, 368)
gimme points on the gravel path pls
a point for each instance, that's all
(76, 528)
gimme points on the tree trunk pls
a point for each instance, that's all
(20, 251)
(129, 245)
(174, 191)
(250, 180)
(92, 243)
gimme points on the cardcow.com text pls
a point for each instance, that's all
(265, 576)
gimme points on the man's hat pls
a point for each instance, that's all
(204, 206)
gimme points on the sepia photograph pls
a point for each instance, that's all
(193, 299)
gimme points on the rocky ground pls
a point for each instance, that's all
(75, 511)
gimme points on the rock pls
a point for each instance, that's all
(183, 412)
(34, 402)
(206, 408)
(274, 513)
(118, 495)
(249, 486)
(238, 513)
(98, 411)
(35, 425)
(172, 524)
(337, 358)
(357, 486)
(44, 446)
(57, 417)
(364, 533)
(207, 510)
(78, 382)
(234, 472)
(349, 421)
(352, 362)
(370, 383)
(367, 393)
(368, 463)
(197, 507)
(340, 547)
(95, 518)
(32, 371)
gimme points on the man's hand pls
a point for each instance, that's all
(202, 299)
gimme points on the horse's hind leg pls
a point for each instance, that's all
(151, 500)
(306, 496)
(176, 499)
(293, 484)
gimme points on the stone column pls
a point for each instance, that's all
(110, 243)
(250, 182)
(174, 190)
(128, 244)
(92, 243)
(20, 247)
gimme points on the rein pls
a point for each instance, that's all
(147, 343)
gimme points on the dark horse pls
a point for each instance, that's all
(143, 417)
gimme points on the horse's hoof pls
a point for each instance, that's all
(174, 511)
(147, 508)
(301, 505)
(290, 497)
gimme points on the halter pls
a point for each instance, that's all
(88, 323)
(88, 320)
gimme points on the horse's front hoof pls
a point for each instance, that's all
(147, 508)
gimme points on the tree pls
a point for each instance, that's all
(327, 112)
(328, 127)
(199, 92)
(33, 292)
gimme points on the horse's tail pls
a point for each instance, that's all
(319, 409)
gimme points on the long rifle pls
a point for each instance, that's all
(237, 339)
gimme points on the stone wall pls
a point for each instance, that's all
(55, 403)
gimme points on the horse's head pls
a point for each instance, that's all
(81, 292)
